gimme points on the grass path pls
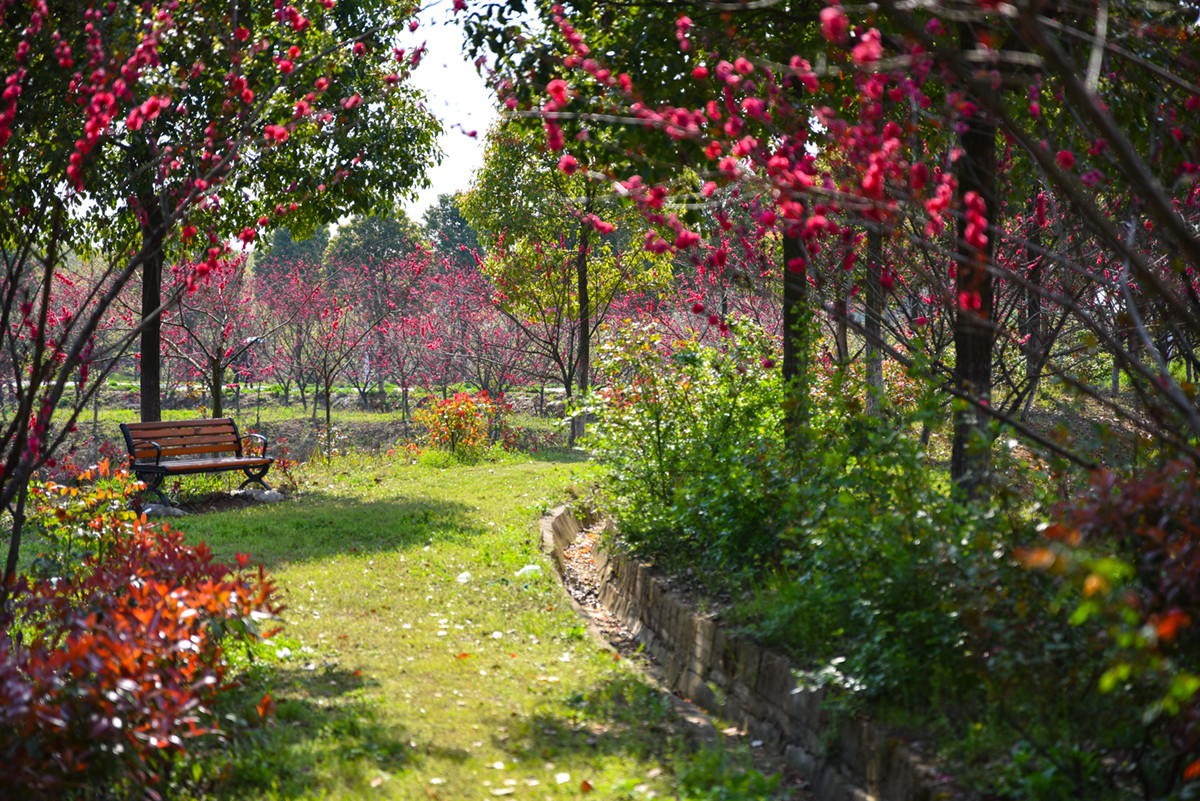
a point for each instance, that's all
(419, 660)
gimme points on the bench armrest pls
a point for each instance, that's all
(157, 452)
(260, 438)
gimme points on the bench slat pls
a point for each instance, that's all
(179, 441)
(199, 422)
(150, 453)
(216, 464)
(181, 433)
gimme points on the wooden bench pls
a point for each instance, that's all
(183, 447)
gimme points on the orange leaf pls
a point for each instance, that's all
(1169, 624)
(266, 707)
(1094, 584)
(463, 656)
(1037, 558)
(585, 786)
(1192, 771)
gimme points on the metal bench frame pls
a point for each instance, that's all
(188, 447)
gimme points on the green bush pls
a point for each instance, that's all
(691, 437)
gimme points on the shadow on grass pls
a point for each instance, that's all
(314, 529)
(322, 725)
(561, 456)
(619, 717)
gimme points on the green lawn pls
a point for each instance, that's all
(415, 663)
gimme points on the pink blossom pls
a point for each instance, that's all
(554, 137)
(834, 24)
(976, 209)
(600, 225)
(918, 176)
(682, 25)
(655, 243)
(557, 89)
(868, 50)
(755, 108)
(276, 133)
(1066, 159)
(700, 73)
(568, 164)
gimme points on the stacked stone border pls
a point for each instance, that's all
(733, 677)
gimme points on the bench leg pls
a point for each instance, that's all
(255, 476)
(153, 482)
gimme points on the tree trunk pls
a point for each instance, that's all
(841, 331)
(579, 421)
(16, 527)
(974, 330)
(795, 342)
(328, 420)
(217, 376)
(1033, 322)
(151, 339)
(873, 322)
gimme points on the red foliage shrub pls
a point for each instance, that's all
(1131, 549)
(105, 676)
(1154, 523)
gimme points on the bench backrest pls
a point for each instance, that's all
(182, 437)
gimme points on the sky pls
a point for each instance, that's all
(458, 97)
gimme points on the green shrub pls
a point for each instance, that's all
(845, 546)
(691, 437)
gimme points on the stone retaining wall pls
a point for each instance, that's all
(850, 760)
